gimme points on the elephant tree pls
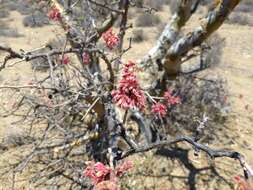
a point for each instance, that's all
(84, 107)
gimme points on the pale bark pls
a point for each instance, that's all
(208, 25)
(170, 33)
(169, 50)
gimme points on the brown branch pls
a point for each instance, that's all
(210, 152)
(29, 56)
(12, 55)
(123, 23)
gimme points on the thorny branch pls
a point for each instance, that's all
(74, 104)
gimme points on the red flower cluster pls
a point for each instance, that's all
(110, 39)
(65, 60)
(98, 172)
(54, 14)
(129, 94)
(103, 177)
(159, 109)
(243, 184)
(86, 58)
(170, 99)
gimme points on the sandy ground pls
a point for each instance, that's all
(236, 67)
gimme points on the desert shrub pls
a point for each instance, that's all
(167, 2)
(3, 13)
(248, 2)
(37, 19)
(158, 4)
(11, 32)
(11, 5)
(24, 8)
(212, 55)
(8, 32)
(241, 19)
(245, 8)
(147, 20)
(199, 96)
(139, 3)
(138, 35)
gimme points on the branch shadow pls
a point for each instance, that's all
(183, 156)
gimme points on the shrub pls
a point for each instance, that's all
(199, 96)
(138, 35)
(24, 8)
(158, 4)
(139, 3)
(147, 20)
(4, 13)
(12, 6)
(248, 2)
(245, 8)
(212, 56)
(37, 19)
(8, 32)
(241, 19)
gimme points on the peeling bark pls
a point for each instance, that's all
(208, 25)
(169, 50)
(170, 33)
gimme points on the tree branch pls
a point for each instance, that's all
(208, 25)
(170, 33)
(210, 152)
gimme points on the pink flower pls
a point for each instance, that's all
(110, 39)
(129, 94)
(159, 109)
(170, 99)
(54, 14)
(97, 172)
(86, 58)
(104, 177)
(243, 184)
(65, 60)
